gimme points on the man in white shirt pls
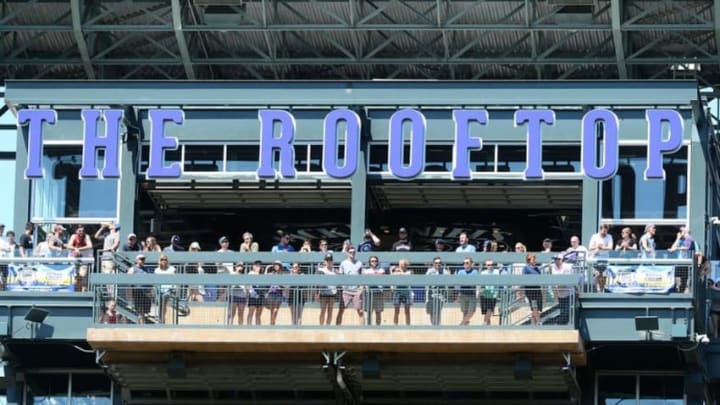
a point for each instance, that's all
(563, 293)
(353, 294)
(600, 246)
(464, 246)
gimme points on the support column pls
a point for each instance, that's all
(13, 388)
(591, 208)
(129, 150)
(358, 181)
(22, 186)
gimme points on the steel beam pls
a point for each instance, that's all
(180, 37)
(80, 39)
(716, 20)
(618, 42)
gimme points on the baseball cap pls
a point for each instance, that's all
(222, 239)
(558, 256)
(329, 256)
(175, 239)
(195, 245)
(440, 242)
(547, 240)
(649, 226)
(118, 227)
(140, 257)
(402, 230)
(132, 235)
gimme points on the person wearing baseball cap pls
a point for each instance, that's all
(402, 244)
(174, 245)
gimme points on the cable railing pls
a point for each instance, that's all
(334, 300)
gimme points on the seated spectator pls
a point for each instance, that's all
(110, 315)
(248, 245)
(306, 246)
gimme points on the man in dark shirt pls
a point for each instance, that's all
(26, 241)
(369, 243)
(131, 245)
(402, 244)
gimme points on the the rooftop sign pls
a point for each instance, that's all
(598, 133)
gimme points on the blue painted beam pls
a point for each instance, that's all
(388, 93)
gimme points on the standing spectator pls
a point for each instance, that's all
(520, 248)
(151, 245)
(213, 292)
(132, 244)
(43, 248)
(80, 244)
(684, 243)
(238, 298)
(56, 241)
(575, 245)
(489, 293)
(346, 246)
(533, 293)
(467, 295)
(352, 294)
(547, 245)
(627, 245)
(562, 293)
(284, 245)
(274, 296)
(403, 294)
(647, 242)
(141, 294)
(248, 245)
(175, 245)
(327, 295)
(196, 292)
(255, 297)
(376, 299)
(81, 279)
(464, 244)
(109, 234)
(369, 243)
(26, 240)
(441, 245)
(296, 297)
(164, 292)
(402, 244)
(436, 295)
(323, 247)
(7, 249)
(306, 246)
(601, 242)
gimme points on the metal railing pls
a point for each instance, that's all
(323, 300)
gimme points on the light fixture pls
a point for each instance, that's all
(647, 324)
(36, 315)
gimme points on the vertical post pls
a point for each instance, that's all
(22, 185)
(129, 150)
(359, 184)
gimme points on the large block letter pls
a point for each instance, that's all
(268, 143)
(35, 119)
(330, 142)
(657, 147)
(417, 144)
(159, 144)
(92, 142)
(533, 147)
(463, 142)
(590, 144)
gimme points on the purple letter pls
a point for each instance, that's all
(656, 145)
(268, 143)
(352, 143)
(92, 142)
(396, 144)
(533, 148)
(590, 141)
(159, 144)
(35, 117)
(463, 141)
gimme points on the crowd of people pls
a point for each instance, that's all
(247, 303)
